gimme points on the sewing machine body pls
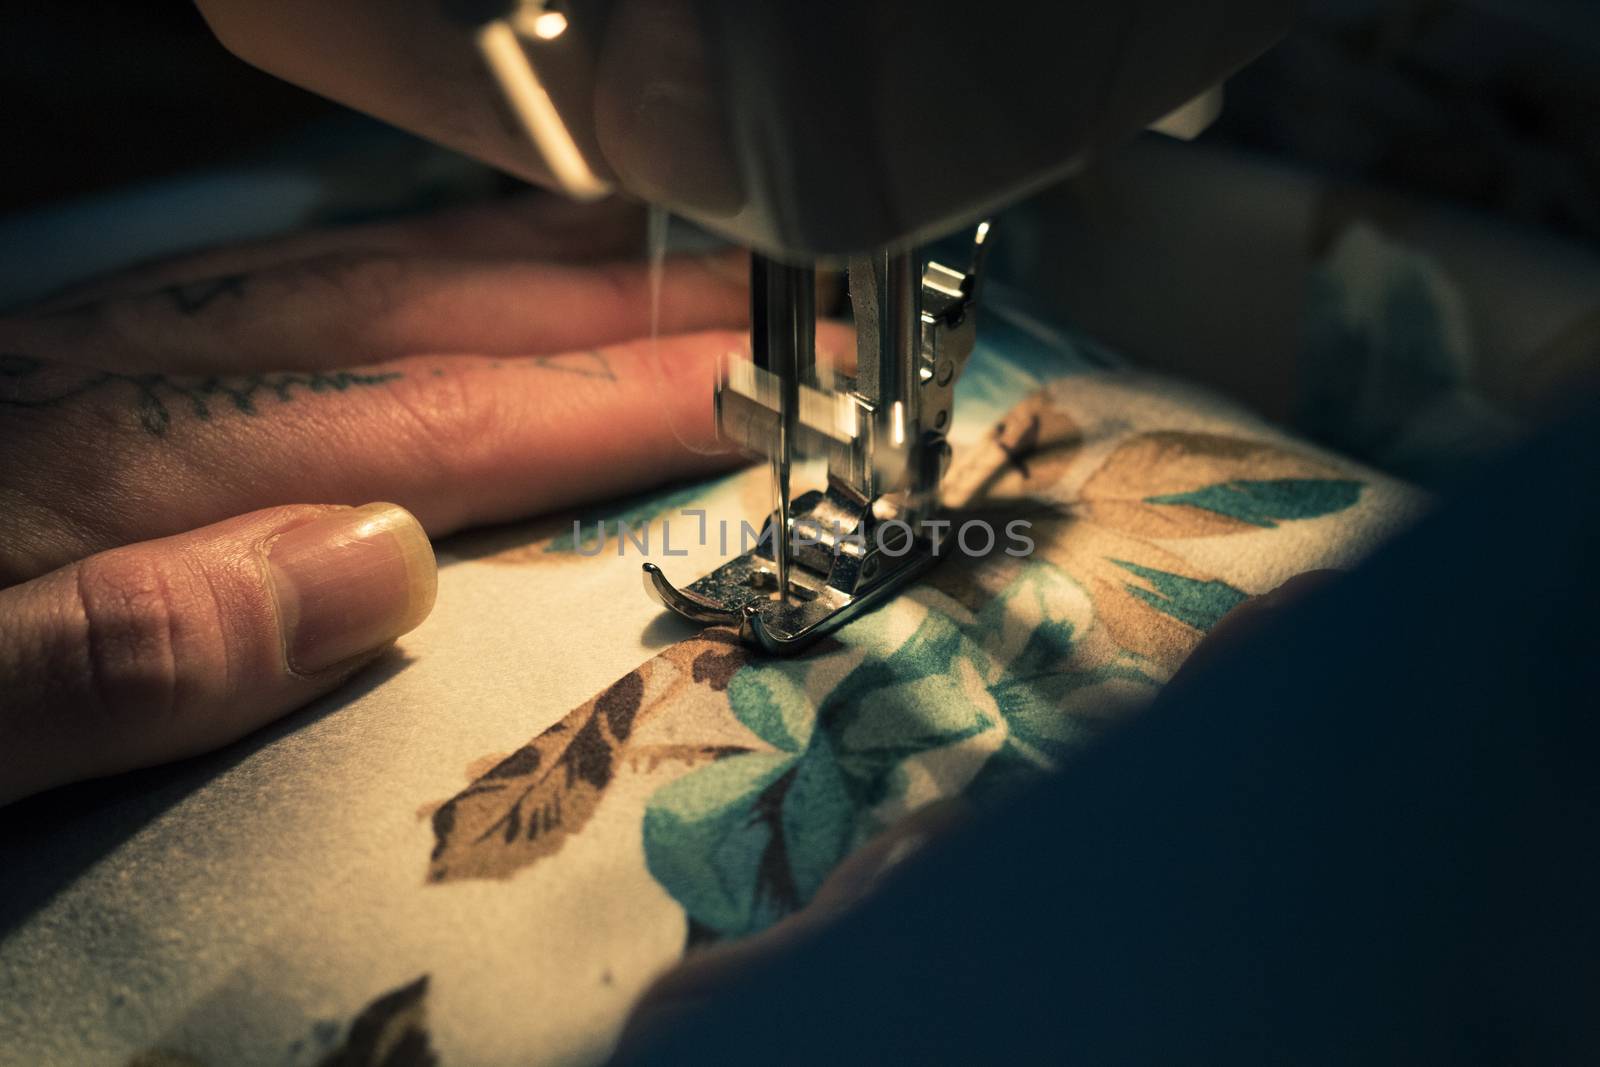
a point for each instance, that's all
(809, 133)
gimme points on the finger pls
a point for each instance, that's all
(345, 310)
(168, 648)
(90, 460)
(533, 226)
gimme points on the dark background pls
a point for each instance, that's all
(1494, 103)
(98, 93)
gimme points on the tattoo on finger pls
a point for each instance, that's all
(590, 364)
(30, 384)
(25, 384)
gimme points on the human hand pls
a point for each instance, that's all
(179, 447)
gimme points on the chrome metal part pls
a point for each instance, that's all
(830, 554)
(783, 324)
(827, 586)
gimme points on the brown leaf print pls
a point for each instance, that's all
(525, 807)
(1089, 553)
(716, 665)
(1027, 452)
(392, 1031)
(1098, 559)
(1168, 463)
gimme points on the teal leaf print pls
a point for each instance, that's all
(708, 835)
(913, 700)
(1192, 601)
(773, 705)
(1032, 709)
(741, 843)
(1265, 503)
(744, 846)
(974, 683)
(1170, 484)
(819, 819)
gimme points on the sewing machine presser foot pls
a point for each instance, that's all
(832, 579)
(830, 555)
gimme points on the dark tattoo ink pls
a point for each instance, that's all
(590, 364)
(157, 397)
(194, 297)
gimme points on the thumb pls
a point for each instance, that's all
(165, 649)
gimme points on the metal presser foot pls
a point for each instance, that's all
(831, 554)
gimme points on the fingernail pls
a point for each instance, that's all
(350, 582)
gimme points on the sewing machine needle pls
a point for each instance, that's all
(783, 320)
(780, 546)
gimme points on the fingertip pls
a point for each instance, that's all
(348, 583)
(421, 566)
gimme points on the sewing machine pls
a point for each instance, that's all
(811, 133)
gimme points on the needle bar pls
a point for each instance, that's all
(783, 324)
